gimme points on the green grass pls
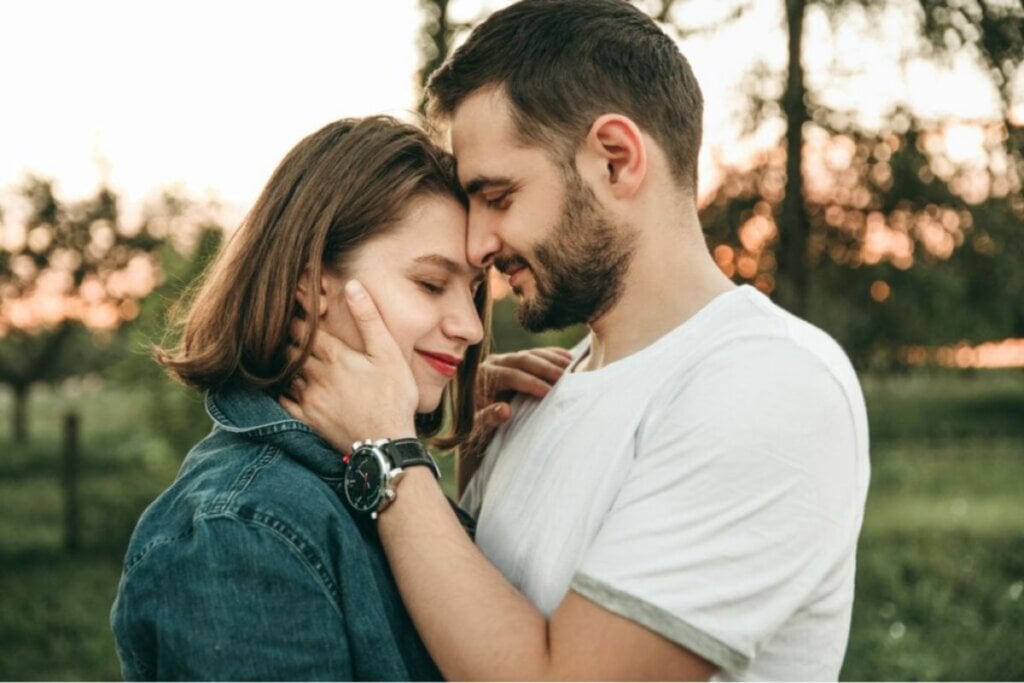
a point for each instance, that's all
(938, 605)
(940, 563)
(54, 620)
(940, 568)
(54, 605)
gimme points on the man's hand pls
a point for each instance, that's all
(348, 395)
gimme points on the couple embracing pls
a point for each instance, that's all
(677, 497)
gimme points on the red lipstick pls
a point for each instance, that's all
(442, 362)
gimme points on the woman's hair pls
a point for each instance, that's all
(350, 181)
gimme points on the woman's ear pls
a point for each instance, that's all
(305, 296)
(616, 143)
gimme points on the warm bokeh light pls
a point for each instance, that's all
(963, 142)
(1008, 353)
(101, 302)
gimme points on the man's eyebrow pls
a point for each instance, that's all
(451, 266)
(480, 182)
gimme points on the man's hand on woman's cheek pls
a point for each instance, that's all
(348, 395)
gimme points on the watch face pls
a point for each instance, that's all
(364, 480)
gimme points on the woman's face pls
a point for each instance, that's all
(423, 286)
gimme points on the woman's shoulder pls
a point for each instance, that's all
(237, 482)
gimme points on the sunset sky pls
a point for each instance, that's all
(208, 96)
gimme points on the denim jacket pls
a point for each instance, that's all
(250, 566)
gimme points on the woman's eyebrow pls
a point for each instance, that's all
(451, 266)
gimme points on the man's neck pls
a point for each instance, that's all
(671, 277)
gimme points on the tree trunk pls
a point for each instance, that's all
(794, 226)
(435, 38)
(19, 417)
(70, 481)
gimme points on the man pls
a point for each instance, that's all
(685, 502)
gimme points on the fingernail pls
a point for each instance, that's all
(354, 290)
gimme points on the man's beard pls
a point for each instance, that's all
(579, 270)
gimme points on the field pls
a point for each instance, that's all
(941, 560)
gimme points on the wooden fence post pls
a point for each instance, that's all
(70, 481)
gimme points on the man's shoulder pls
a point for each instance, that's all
(762, 372)
(747, 338)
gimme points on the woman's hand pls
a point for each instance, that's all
(501, 375)
(348, 395)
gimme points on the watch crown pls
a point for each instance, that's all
(389, 494)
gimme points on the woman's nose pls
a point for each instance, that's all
(463, 322)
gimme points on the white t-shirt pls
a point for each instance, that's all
(709, 487)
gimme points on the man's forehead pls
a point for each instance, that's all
(480, 132)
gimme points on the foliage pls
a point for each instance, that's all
(938, 606)
(176, 412)
(906, 247)
(74, 280)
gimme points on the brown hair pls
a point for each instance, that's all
(344, 184)
(564, 63)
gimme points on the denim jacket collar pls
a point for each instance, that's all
(255, 416)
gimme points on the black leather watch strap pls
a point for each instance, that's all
(409, 453)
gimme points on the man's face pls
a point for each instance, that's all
(537, 222)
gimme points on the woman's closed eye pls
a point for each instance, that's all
(431, 287)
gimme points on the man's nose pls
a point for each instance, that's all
(482, 241)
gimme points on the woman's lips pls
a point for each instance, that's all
(443, 363)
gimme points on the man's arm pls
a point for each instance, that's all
(478, 626)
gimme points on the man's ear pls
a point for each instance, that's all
(305, 296)
(617, 144)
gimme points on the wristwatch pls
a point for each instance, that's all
(374, 467)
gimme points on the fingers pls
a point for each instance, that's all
(297, 330)
(376, 338)
(494, 415)
(547, 367)
(311, 368)
(292, 408)
(555, 355)
(502, 379)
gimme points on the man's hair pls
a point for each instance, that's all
(563, 63)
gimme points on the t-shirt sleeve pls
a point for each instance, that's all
(741, 499)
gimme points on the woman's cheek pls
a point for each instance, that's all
(394, 311)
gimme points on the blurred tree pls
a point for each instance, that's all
(845, 253)
(438, 34)
(435, 42)
(905, 246)
(67, 287)
(177, 413)
(990, 31)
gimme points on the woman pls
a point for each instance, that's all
(251, 565)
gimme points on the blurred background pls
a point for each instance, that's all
(863, 165)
